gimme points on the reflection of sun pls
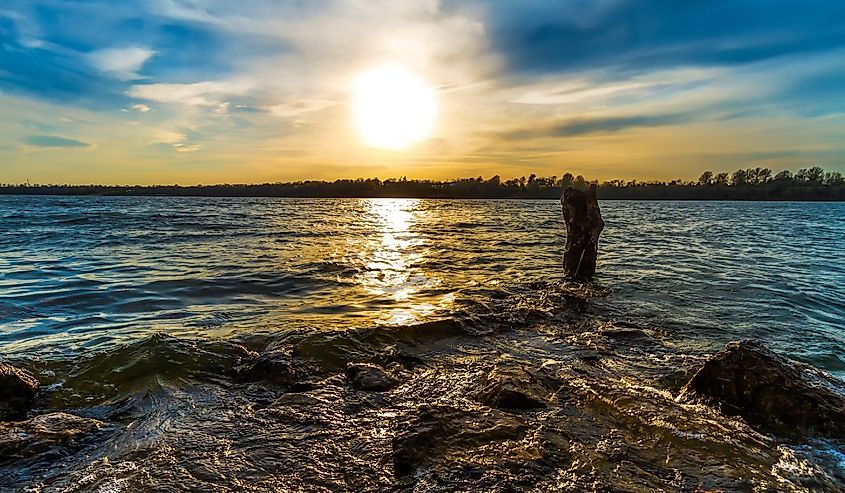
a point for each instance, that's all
(393, 267)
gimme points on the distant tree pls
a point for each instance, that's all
(739, 178)
(706, 178)
(762, 176)
(784, 175)
(721, 179)
(815, 175)
(834, 179)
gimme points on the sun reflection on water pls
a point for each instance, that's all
(396, 254)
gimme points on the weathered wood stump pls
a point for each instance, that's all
(583, 226)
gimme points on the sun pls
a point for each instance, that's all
(393, 107)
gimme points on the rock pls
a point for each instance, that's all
(43, 434)
(443, 432)
(515, 387)
(620, 333)
(583, 226)
(17, 392)
(275, 365)
(770, 391)
(366, 376)
(395, 354)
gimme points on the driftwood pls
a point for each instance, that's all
(583, 226)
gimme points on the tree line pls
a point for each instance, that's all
(744, 184)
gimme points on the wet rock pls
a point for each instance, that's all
(623, 333)
(43, 434)
(770, 391)
(275, 365)
(442, 432)
(515, 387)
(402, 356)
(366, 376)
(583, 226)
(17, 392)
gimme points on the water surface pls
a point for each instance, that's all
(137, 311)
(86, 273)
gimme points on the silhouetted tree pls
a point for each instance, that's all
(739, 178)
(784, 175)
(834, 179)
(749, 184)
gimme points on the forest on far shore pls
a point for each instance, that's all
(745, 184)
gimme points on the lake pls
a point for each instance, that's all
(92, 289)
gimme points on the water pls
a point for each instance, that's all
(148, 299)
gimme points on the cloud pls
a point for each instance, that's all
(175, 140)
(640, 35)
(584, 126)
(266, 80)
(297, 108)
(53, 141)
(121, 63)
(206, 93)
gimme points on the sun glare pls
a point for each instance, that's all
(393, 108)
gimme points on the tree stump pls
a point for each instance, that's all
(583, 226)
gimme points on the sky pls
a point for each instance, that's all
(211, 91)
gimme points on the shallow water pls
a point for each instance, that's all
(133, 310)
(81, 274)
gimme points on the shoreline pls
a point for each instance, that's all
(541, 389)
(369, 197)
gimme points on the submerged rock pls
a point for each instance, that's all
(275, 365)
(446, 433)
(43, 434)
(583, 226)
(17, 392)
(517, 387)
(367, 376)
(770, 391)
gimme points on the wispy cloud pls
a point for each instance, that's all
(54, 141)
(298, 108)
(609, 84)
(206, 93)
(121, 63)
(608, 124)
(176, 141)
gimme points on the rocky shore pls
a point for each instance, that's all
(551, 401)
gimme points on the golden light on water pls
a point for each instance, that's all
(395, 268)
(393, 107)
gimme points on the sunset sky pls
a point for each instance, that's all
(209, 91)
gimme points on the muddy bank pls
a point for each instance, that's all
(537, 391)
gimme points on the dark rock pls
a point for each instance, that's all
(17, 392)
(770, 391)
(402, 356)
(275, 365)
(614, 332)
(438, 432)
(366, 376)
(43, 434)
(517, 387)
(583, 226)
